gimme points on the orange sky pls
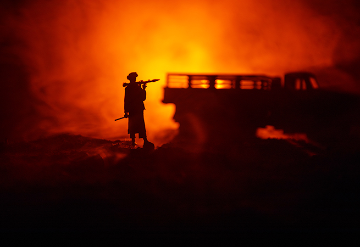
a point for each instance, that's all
(78, 53)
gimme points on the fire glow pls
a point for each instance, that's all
(269, 132)
(78, 53)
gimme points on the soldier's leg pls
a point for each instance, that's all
(132, 136)
(145, 139)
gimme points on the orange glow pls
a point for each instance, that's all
(269, 132)
(247, 84)
(223, 84)
(80, 52)
(200, 84)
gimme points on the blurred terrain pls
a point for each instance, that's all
(74, 183)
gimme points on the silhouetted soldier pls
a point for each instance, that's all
(135, 95)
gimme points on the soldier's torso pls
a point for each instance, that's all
(134, 97)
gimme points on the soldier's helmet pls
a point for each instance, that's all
(132, 75)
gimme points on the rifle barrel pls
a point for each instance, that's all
(119, 118)
(141, 82)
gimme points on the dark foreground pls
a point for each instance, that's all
(75, 184)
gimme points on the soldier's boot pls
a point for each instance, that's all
(148, 145)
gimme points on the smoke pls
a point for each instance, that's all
(343, 74)
(63, 62)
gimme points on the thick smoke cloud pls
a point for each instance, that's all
(63, 62)
(343, 73)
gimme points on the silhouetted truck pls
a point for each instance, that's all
(223, 108)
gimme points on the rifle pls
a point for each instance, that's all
(121, 118)
(125, 84)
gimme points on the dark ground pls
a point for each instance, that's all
(75, 184)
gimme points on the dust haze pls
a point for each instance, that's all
(63, 63)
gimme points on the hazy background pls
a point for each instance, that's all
(63, 62)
